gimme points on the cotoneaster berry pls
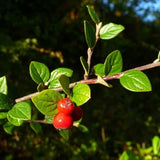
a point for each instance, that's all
(77, 113)
(65, 105)
(62, 121)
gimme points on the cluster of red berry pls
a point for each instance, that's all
(68, 113)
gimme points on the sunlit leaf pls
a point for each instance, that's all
(81, 94)
(8, 127)
(3, 85)
(110, 30)
(113, 63)
(46, 101)
(93, 14)
(135, 81)
(55, 74)
(14, 121)
(3, 115)
(99, 69)
(156, 145)
(20, 111)
(39, 72)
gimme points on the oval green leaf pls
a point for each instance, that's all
(129, 155)
(39, 72)
(89, 34)
(83, 128)
(20, 111)
(113, 63)
(110, 30)
(64, 82)
(81, 94)
(99, 69)
(93, 14)
(84, 65)
(15, 122)
(53, 81)
(156, 145)
(8, 128)
(65, 133)
(135, 81)
(46, 101)
(3, 85)
(36, 127)
(49, 119)
(4, 102)
(159, 56)
(3, 115)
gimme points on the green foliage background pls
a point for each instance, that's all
(113, 116)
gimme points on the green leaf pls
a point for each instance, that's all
(65, 133)
(113, 63)
(136, 81)
(4, 102)
(99, 69)
(15, 122)
(110, 30)
(93, 14)
(36, 127)
(40, 87)
(159, 56)
(129, 155)
(89, 34)
(83, 128)
(3, 85)
(64, 82)
(20, 111)
(3, 115)
(46, 101)
(54, 84)
(100, 80)
(8, 128)
(49, 119)
(53, 81)
(85, 65)
(81, 94)
(156, 145)
(39, 72)
(148, 150)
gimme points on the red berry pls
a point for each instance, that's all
(62, 121)
(65, 105)
(77, 113)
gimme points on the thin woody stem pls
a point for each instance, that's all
(94, 80)
(37, 121)
(90, 50)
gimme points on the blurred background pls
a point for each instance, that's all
(52, 32)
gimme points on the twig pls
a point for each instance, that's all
(94, 80)
(38, 121)
(90, 50)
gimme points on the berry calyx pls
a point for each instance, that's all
(77, 113)
(65, 105)
(62, 121)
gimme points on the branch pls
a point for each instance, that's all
(90, 50)
(38, 121)
(94, 80)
